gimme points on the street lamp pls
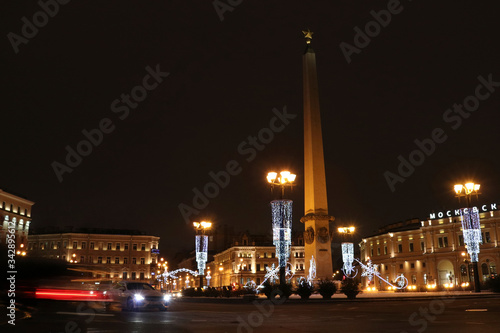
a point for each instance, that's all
(221, 269)
(201, 246)
(282, 219)
(471, 225)
(347, 250)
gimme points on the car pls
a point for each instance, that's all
(134, 295)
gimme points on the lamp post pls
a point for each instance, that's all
(347, 249)
(282, 219)
(201, 246)
(221, 269)
(471, 225)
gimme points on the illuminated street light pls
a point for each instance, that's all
(471, 225)
(281, 211)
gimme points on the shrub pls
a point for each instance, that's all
(350, 288)
(304, 290)
(326, 288)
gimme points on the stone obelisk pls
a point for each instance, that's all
(316, 220)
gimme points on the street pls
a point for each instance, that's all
(221, 315)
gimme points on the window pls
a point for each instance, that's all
(134, 261)
(125, 275)
(423, 264)
(258, 267)
(493, 268)
(461, 240)
(445, 241)
(58, 245)
(109, 246)
(84, 245)
(411, 247)
(141, 276)
(265, 254)
(296, 254)
(91, 245)
(385, 249)
(108, 260)
(65, 244)
(143, 247)
(143, 261)
(134, 247)
(272, 254)
(99, 260)
(301, 267)
(82, 259)
(133, 275)
(378, 251)
(400, 248)
(414, 279)
(125, 261)
(371, 252)
(117, 260)
(117, 246)
(126, 246)
(400, 266)
(25, 212)
(412, 265)
(422, 246)
(386, 268)
(486, 237)
(153, 261)
(75, 245)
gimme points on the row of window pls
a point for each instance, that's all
(11, 209)
(259, 268)
(110, 260)
(265, 255)
(442, 243)
(92, 246)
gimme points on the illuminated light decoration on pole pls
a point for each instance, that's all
(208, 277)
(312, 271)
(471, 226)
(201, 252)
(282, 229)
(370, 270)
(282, 220)
(348, 259)
(272, 274)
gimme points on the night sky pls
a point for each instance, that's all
(225, 78)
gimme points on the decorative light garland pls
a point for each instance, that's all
(312, 271)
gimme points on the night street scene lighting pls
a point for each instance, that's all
(201, 246)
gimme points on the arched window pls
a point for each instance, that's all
(493, 268)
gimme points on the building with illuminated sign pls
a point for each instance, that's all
(106, 253)
(432, 252)
(15, 213)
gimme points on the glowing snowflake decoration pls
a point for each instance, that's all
(370, 270)
(272, 274)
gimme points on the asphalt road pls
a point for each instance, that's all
(432, 315)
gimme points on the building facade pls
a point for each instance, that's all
(432, 252)
(15, 214)
(104, 254)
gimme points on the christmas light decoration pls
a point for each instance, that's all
(370, 271)
(312, 271)
(282, 229)
(348, 258)
(471, 227)
(201, 243)
(208, 278)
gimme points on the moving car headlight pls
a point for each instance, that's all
(139, 297)
(166, 298)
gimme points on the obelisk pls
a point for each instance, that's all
(316, 220)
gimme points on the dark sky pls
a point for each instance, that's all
(225, 78)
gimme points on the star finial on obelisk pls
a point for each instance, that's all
(308, 35)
